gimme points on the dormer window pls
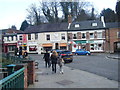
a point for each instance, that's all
(77, 25)
(94, 24)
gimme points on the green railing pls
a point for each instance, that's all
(15, 80)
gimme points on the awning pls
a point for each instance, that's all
(62, 44)
(47, 45)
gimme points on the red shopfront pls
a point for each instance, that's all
(9, 47)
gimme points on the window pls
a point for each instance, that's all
(77, 25)
(63, 36)
(118, 34)
(29, 36)
(7, 38)
(11, 48)
(99, 34)
(94, 24)
(96, 46)
(36, 36)
(74, 36)
(83, 35)
(91, 35)
(20, 37)
(12, 38)
(48, 37)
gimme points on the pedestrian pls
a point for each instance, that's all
(16, 51)
(47, 59)
(54, 58)
(61, 64)
(20, 52)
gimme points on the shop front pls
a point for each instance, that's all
(32, 47)
(9, 47)
(63, 46)
(91, 45)
(47, 46)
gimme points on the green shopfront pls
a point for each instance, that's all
(91, 45)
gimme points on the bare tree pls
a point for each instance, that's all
(34, 15)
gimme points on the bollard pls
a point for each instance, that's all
(10, 68)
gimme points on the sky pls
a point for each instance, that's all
(13, 12)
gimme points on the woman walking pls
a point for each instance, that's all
(54, 58)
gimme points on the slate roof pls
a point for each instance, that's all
(10, 31)
(113, 25)
(47, 28)
(86, 25)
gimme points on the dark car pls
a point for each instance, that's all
(67, 56)
(82, 52)
(57, 50)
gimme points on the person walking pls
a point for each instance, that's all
(20, 52)
(47, 59)
(61, 64)
(54, 58)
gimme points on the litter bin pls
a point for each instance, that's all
(10, 68)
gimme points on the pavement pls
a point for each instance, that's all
(72, 78)
(114, 56)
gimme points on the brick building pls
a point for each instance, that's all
(112, 37)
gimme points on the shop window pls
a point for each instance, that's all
(63, 48)
(32, 48)
(63, 36)
(48, 37)
(74, 36)
(83, 35)
(99, 34)
(96, 46)
(11, 48)
(91, 35)
(29, 36)
(20, 37)
(36, 36)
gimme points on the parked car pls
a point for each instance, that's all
(67, 56)
(82, 52)
(57, 50)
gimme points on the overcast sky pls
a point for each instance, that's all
(13, 12)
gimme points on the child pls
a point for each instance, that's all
(61, 63)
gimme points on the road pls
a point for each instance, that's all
(96, 63)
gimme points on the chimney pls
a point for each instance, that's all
(102, 19)
(69, 20)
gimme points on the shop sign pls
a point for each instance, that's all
(90, 41)
(80, 42)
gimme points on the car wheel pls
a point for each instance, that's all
(76, 54)
(87, 54)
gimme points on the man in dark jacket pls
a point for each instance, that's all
(47, 59)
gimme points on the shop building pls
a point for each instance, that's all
(47, 36)
(88, 35)
(10, 40)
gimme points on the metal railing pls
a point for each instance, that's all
(15, 80)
